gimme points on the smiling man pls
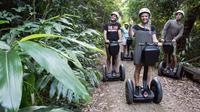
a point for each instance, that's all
(112, 32)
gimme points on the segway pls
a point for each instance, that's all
(129, 55)
(113, 49)
(166, 68)
(150, 56)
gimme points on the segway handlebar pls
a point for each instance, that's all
(149, 44)
(113, 42)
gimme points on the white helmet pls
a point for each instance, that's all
(180, 11)
(115, 13)
(126, 23)
(142, 10)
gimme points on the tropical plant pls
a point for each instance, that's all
(63, 71)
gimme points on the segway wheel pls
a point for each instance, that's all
(160, 69)
(131, 55)
(157, 90)
(104, 73)
(179, 71)
(129, 89)
(122, 56)
(122, 72)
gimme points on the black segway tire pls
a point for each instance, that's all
(122, 56)
(129, 89)
(160, 69)
(179, 71)
(157, 90)
(122, 72)
(104, 73)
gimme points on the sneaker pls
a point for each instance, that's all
(137, 90)
(109, 74)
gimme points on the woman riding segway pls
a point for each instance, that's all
(151, 90)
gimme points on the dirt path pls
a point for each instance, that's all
(178, 96)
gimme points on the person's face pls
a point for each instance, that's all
(113, 17)
(144, 18)
(179, 16)
(126, 26)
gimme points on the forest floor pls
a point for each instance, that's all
(178, 96)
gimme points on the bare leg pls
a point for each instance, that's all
(124, 49)
(137, 74)
(108, 59)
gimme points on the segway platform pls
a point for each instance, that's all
(129, 55)
(113, 76)
(165, 68)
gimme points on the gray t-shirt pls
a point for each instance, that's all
(172, 30)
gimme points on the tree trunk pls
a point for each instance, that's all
(191, 17)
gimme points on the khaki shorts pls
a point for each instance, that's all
(124, 41)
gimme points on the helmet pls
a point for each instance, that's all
(144, 10)
(126, 23)
(180, 11)
(115, 13)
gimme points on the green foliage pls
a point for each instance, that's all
(56, 65)
(10, 80)
(3, 21)
(40, 54)
(44, 109)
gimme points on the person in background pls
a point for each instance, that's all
(112, 32)
(125, 37)
(172, 31)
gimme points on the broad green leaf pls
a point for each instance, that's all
(42, 83)
(3, 45)
(58, 17)
(74, 59)
(11, 74)
(65, 21)
(52, 91)
(3, 21)
(57, 65)
(60, 110)
(59, 27)
(90, 32)
(34, 36)
(44, 109)
(86, 45)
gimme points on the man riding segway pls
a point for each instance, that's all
(172, 31)
(112, 37)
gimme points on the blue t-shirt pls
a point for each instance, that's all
(125, 33)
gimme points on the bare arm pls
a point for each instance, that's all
(155, 40)
(120, 35)
(130, 32)
(105, 36)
